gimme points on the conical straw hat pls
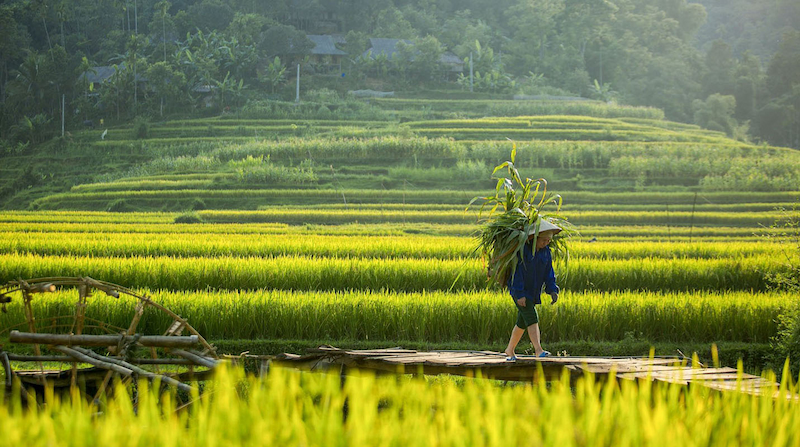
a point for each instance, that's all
(545, 225)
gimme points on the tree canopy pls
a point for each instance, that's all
(658, 53)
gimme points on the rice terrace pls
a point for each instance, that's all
(267, 234)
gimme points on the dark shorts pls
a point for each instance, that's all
(527, 315)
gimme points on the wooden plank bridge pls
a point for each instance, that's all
(493, 365)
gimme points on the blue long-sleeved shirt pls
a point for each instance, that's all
(534, 271)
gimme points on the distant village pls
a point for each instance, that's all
(325, 57)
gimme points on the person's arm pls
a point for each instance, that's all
(550, 285)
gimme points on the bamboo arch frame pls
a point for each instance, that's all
(75, 323)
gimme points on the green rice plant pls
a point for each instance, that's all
(85, 217)
(343, 129)
(182, 164)
(478, 317)
(337, 216)
(284, 272)
(227, 243)
(380, 148)
(244, 241)
(670, 234)
(669, 218)
(88, 199)
(578, 133)
(549, 122)
(75, 222)
(521, 108)
(398, 274)
(287, 407)
(577, 154)
(235, 121)
(304, 215)
(577, 218)
(698, 207)
(771, 173)
(142, 185)
(261, 170)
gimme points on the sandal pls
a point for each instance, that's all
(511, 358)
(544, 354)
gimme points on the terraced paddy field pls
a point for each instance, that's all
(274, 234)
(278, 233)
(245, 162)
(415, 282)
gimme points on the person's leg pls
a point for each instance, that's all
(516, 336)
(533, 333)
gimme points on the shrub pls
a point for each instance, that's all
(117, 206)
(323, 111)
(141, 128)
(787, 343)
(198, 204)
(188, 218)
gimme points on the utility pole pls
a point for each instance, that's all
(470, 71)
(297, 97)
(164, 33)
(135, 36)
(164, 29)
(62, 114)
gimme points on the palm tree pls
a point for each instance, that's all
(29, 84)
(163, 6)
(61, 13)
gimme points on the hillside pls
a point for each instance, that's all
(350, 201)
(413, 151)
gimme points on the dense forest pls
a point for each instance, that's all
(732, 66)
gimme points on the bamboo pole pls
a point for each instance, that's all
(6, 368)
(26, 299)
(102, 388)
(48, 284)
(68, 359)
(93, 361)
(139, 311)
(197, 359)
(103, 340)
(136, 369)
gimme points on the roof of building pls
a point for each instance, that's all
(100, 74)
(383, 45)
(324, 45)
(389, 47)
(450, 58)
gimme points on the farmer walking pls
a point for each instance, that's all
(534, 270)
(516, 243)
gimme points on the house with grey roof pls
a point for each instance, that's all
(96, 76)
(379, 45)
(451, 62)
(325, 54)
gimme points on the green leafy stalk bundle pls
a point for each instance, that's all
(517, 212)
